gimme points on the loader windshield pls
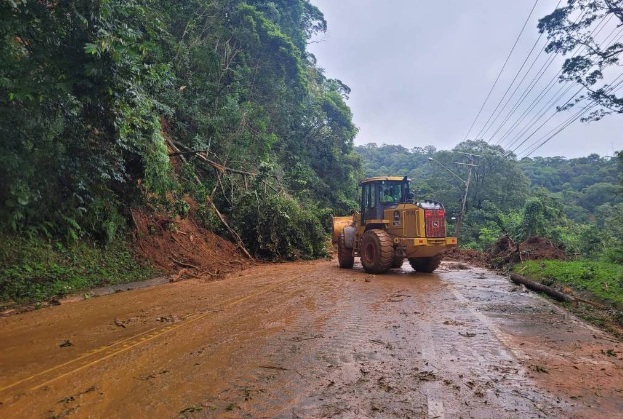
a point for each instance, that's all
(391, 192)
(379, 194)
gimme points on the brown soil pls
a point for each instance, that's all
(506, 251)
(310, 340)
(183, 248)
(469, 256)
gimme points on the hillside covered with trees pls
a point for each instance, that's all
(112, 106)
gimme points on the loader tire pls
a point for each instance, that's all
(426, 265)
(345, 258)
(377, 251)
(397, 262)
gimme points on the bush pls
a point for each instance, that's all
(276, 227)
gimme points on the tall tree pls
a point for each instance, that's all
(572, 29)
(79, 125)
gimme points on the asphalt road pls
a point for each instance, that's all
(310, 340)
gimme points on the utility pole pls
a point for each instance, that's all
(471, 166)
(466, 183)
(457, 227)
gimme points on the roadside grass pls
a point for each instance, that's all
(600, 282)
(35, 270)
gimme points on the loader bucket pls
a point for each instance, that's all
(338, 225)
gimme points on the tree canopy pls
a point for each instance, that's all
(574, 202)
(96, 96)
(573, 30)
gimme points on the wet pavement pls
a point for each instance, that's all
(310, 340)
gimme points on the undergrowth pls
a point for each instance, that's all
(601, 279)
(33, 270)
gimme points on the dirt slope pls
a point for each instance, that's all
(183, 248)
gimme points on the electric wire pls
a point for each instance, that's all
(533, 83)
(545, 139)
(486, 126)
(502, 70)
(543, 110)
(519, 101)
(540, 114)
(548, 87)
(561, 128)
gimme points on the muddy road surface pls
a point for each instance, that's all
(308, 340)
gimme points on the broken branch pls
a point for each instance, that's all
(231, 231)
(183, 264)
(215, 165)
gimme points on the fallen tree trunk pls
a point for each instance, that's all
(560, 296)
(557, 295)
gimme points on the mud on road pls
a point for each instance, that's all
(310, 340)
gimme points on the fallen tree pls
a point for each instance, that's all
(536, 286)
(557, 295)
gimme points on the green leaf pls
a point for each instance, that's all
(90, 49)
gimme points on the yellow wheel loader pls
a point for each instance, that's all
(390, 227)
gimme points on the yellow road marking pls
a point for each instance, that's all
(135, 340)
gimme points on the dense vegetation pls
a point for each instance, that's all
(90, 90)
(113, 105)
(35, 270)
(577, 203)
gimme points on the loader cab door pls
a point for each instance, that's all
(380, 195)
(370, 208)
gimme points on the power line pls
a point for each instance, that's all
(544, 123)
(483, 131)
(541, 116)
(611, 89)
(523, 97)
(561, 128)
(548, 87)
(542, 112)
(502, 70)
(534, 120)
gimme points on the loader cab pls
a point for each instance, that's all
(379, 194)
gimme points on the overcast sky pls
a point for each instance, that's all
(420, 70)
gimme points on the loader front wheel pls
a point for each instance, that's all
(426, 265)
(377, 251)
(345, 258)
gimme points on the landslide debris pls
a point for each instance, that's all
(468, 256)
(506, 252)
(182, 248)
